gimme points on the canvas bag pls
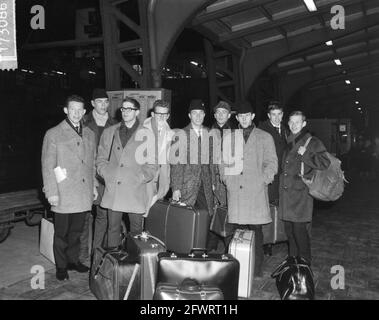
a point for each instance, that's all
(47, 239)
(328, 184)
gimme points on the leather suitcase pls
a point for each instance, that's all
(218, 270)
(242, 247)
(147, 248)
(181, 228)
(115, 275)
(274, 231)
(189, 289)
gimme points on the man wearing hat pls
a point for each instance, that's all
(96, 120)
(192, 183)
(125, 177)
(222, 113)
(247, 187)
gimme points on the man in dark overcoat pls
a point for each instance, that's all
(295, 202)
(96, 120)
(274, 126)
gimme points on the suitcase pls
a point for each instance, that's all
(217, 270)
(147, 248)
(242, 247)
(273, 232)
(219, 222)
(115, 275)
(180, 227)
(189, 289)
(47, 239)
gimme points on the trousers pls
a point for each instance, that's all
(299, 242)
(68, 228)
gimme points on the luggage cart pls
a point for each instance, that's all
(20, 205)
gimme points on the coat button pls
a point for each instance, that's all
(118, 148)
(241, 172)
(78, 143)
(286, 161)
(82, 161)
(285, 174)
(84, 180)
(122, 165)
(240, 187)
(118, 182)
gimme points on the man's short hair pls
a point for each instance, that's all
(298, 113)
(162, 104)
(75, 98)
(274, 105)
(133, 101)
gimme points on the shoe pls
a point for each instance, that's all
(79, 267)
(61, 274)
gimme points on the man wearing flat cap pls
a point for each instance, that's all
(96, 120)
(192, 183)
(248, 204)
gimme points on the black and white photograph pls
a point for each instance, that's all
(209, 151)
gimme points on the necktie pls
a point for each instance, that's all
(278, 129)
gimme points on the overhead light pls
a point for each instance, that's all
(356, 102)
(359, 109)
(338, 62)
(310, 5)
(358, 89)
(194, 63)
(329, 43)
(347, 81)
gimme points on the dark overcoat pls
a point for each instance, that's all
(295, 202)
(89, 122)
(280, 146)
(188, 177)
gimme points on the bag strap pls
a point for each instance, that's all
(302, 163)
(131, 282)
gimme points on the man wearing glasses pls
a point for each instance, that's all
(162, 135)
(125, 178)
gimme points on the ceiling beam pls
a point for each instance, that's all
(337, 44)
(280, 22)
(307, 63)
(228, 11)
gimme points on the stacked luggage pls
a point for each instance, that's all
(163, 263)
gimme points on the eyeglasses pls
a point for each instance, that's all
(166, 114)
(127, 109)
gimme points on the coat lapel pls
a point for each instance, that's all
(71, 137)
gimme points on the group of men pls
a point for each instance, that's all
(91, 160)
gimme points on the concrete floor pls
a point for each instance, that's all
(344, 233)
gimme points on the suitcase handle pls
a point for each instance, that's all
(204, 252)
(146, 235)
(181, 204)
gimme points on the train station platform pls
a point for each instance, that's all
(344, 233)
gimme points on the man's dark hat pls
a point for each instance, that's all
(222, 105)
(99, 94)
(245, 107)
(196, 104)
